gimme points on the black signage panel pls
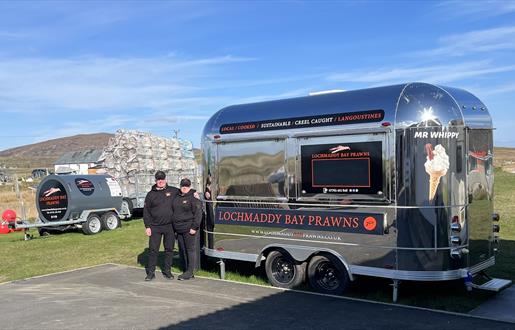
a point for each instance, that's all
(53, 200)
(350, 168)
(319, 220)
(307, 121)
(85, 186)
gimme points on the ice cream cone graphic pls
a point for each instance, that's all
(436, 165)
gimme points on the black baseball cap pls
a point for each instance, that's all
(160, 175)
(185, 182)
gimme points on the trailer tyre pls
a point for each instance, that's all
(283, 271)
(93, 225)
(43, 232)
(127, 208)
(110, 221)
(326, 274)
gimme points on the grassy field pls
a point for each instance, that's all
(127, 245)
(505, 158)
(55, 253)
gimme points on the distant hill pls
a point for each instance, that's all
(56, 147)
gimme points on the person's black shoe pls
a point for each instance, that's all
(185, 276)
(150, 277)
(168, 276)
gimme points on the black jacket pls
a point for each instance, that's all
(187, 212)
(158, 206)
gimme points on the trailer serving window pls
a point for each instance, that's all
(250, 169)
(346, 166)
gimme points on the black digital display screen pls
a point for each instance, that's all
(342, 168)
(350, 173)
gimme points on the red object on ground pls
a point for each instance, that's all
(9, 216)
(4, 228)
(7, 223)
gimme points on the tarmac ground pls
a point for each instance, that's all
(113, 296)
(502, 307)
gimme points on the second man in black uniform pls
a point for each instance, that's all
(187, 216)
(157, 216)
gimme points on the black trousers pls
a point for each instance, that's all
(187, 247)
(210, 225)
(154, 242)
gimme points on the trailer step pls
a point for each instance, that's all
(495, 284)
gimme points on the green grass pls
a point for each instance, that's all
(504, 204)
(127, 245)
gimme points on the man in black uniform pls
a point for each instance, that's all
(187, 216)
(157, 216)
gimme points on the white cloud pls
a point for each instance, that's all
(13, 35)
(67, 96)
(84, 126)
(479, 41)
(444, 73)
(268, 97)
(48, 22)
(100, 84)
(500, 89)
(266, 81)
(475, 9)
(175, 119)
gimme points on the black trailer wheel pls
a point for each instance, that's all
(283, 271)
(127, 208)
(110, 221)
(93, 225)
(43, 232)
(326, 274)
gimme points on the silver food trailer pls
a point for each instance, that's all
(393, 182)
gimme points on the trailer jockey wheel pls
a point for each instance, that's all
(110, 221)
(326, 274)
(283, 271)
(93, 225)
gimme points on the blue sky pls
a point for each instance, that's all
(70, 68)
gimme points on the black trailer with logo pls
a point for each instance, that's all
(90, 202)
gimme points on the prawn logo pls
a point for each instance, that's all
(339, 148)
(85, 186)
(370, 223)
(51, 191)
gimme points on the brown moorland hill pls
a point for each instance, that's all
(56, 147)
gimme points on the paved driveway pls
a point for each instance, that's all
(115, 296)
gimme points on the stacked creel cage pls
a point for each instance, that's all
(133, 157)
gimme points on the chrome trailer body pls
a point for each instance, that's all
(269, 168)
